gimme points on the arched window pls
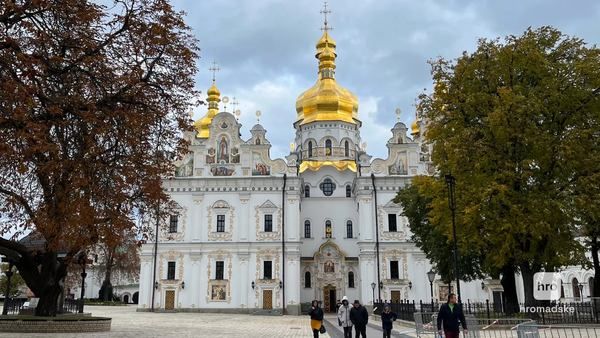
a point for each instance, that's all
(350, 279)
(346, 149)
(307, 191)
(348, 191)
(307, 229)
(349, 232)
(307, 279)
(328, 229)
(309, 148)
(328, 147)
(327, 187)
(257, 141)
(576, 293)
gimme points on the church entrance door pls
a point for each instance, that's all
(169, 300)
(268, 299)
(329, 298)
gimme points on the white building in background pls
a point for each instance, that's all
(254, 233)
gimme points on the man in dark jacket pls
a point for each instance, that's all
(387, 319)
(359, 317)
(452, 316)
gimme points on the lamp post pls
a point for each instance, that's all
(82, 261)
(451, 182)
(9, 274)
(373, 287)
(431, 277)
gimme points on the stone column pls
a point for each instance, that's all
(367, 276)
(366, 218)
(244, 282)
(244, 217)
(145, 289)
(197, 223)
(292, 283)
(195, 289)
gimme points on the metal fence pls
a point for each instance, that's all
(15, 306)
(487, 312)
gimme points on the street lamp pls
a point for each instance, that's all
(253, 285)
(183, 284)
(431, 277)
(82, 260)
(373, 285)
(451, 182)
(410, 285)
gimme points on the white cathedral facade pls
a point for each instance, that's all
(255, 234)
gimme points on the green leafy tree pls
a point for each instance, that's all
(502, 120)
(16, 282)
(435, 241)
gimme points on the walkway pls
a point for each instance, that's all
(373, 329)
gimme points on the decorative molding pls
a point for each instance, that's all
(220, 208)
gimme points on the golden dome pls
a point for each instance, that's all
(415, 128)
(326, 100)
(203, 124)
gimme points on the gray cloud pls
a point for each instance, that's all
(265, 49)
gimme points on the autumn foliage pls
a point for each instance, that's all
(93, 102)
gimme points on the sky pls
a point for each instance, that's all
(265, 51)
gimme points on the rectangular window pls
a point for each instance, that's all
(268, 223)
(171, 270)
(220, 223)
(394, 274)
(392, 225)
(173, 223)
(307, 229)
(349, 230)
(268, 270)
(219, 270)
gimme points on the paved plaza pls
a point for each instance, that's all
(128, 323)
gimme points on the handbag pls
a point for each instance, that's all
(322, 329)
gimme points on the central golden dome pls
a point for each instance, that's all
(326, 100)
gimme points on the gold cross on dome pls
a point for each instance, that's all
(325, 11)
(214, 69)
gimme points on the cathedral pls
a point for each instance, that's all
(252, 233)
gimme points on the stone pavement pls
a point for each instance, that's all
(127, 323)
(373, 329)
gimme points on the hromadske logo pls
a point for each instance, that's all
(546, 286)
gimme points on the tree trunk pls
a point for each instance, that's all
(106, 291)
(52, 273)
(527, 272)
(511, 301)
(594, 247)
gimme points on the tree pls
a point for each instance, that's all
(93, 102)
(502, 121)
(16, 282)
(435, 242)
(120, 260)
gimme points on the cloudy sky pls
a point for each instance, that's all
(265, 49)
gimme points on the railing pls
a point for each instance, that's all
(328, 152)
(15, 306)
(488, 312)
(12, 306)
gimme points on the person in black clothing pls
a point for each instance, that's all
(359, 317)
(316, 318)
(387, 319)
(452, 316)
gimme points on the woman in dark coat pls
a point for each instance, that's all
(387, 319)
(316, 318)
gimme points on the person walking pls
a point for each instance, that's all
(344, 317)
(316, 318)
(359, 317)
(452, 317)
(387, 320)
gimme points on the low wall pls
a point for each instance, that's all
(61, 325)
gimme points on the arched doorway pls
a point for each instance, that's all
(126, 299)
(329, 300)
(135, 297)
(575, 284)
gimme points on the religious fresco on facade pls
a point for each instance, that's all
(210, 157)
(443, 292)
(187, 168)
(222, 150)
(235, 155)
(218, 292)
(329, 267)
(258, 167)
(219, 170)
(399, 168)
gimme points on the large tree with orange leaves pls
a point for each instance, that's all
(93, 101)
